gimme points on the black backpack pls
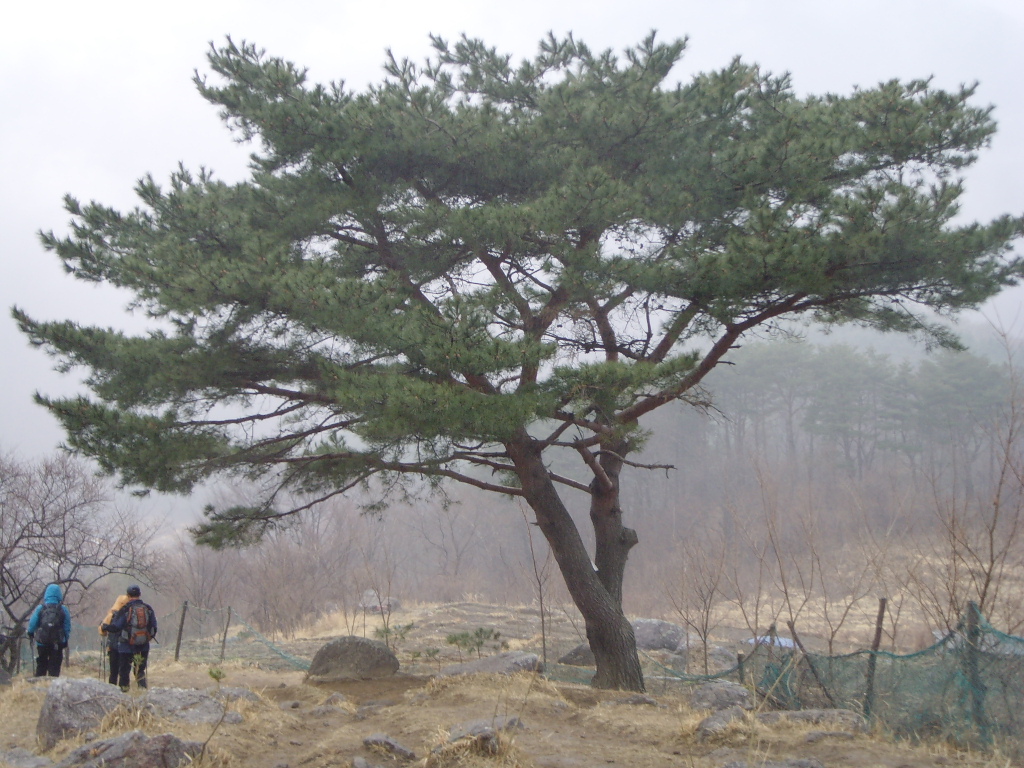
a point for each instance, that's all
(51, 624)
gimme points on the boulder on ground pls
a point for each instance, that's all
(719, 721)
(658, 635)
(73, 706)
(507, 663)
(352, 658)
(133, 750)
(190, 705)
(721, 694)
(580, 656)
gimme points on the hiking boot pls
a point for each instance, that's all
(125, 688)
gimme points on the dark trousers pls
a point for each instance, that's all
(135, 659)
(114, 658)
(48, 660)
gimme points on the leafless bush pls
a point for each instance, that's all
(59, 523)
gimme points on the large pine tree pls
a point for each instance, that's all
(476, 266)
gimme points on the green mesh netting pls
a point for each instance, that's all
(216, 636)
(968, 687)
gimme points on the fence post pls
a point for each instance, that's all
(869, 688)
(739, 667)
(181, 628)
(972, 653)
(224, 639)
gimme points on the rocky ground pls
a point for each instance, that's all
(563, 725)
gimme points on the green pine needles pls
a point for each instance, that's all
(478, 264)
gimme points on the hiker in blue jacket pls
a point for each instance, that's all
(135, 624)
(50, 628)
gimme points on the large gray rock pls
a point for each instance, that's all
(721, 694)
(507, 663)
(134, 750)
(73, 706)
(352, 658)
(580, 656)
(658, 635)
(190, 705)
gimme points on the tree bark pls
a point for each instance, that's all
(596, 591)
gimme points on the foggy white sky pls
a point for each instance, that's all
(94, 95)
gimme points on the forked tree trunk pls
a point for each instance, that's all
(596, 591)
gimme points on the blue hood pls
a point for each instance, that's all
(53, 594)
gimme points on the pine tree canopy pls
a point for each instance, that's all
(477, 254)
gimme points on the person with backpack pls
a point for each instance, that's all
(135, 625)
(50, 629)
(110, 639)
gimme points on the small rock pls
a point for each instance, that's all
(22, 758)
(717, 723)
(483, 727)
(639, 699)
(387, 744)
(816, 736)
(844, 718)
(508, 663)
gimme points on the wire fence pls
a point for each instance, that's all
(968, 687)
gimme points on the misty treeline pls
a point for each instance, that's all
(817, 478)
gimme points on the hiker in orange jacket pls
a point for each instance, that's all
(135, 626)
(110, 638)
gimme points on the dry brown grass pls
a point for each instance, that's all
(498, 751)
(565, 724)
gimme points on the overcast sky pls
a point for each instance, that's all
(94, 95)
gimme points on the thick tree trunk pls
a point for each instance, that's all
(596, 591)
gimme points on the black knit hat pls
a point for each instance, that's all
(134, 591)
